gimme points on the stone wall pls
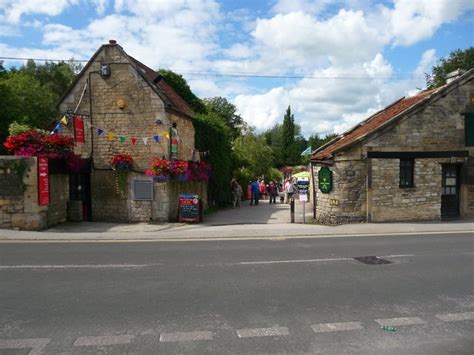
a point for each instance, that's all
(345, 203)
(392, 203)
(19, 206)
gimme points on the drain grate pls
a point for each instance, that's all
(372, 260)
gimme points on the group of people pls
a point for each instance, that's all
(259, 189)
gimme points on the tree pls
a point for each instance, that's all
(252, 152)
(288, 136)
(228, 112)
(315, 141)
(458, 59)
(179, 84)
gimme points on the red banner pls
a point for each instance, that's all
(79, 130)
(43, 181)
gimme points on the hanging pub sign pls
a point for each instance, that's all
(79, 130)
(325, 179)
(43, 181)
(188, 208)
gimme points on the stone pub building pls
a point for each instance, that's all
(413, 160)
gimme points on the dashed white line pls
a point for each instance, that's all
(262, 332)
(455, 317)
(397, 322)
(36, 344)
(185, 336)
(336, 327)
(292, 261)
(103, 340)
(78, 266)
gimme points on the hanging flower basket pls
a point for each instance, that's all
(122, 162)
(40, 144)
(161, 178)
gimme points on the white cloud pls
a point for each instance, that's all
(15, 9)
(412, 21)
(308, 6)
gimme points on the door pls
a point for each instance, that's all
(80, 190)
(450, 191)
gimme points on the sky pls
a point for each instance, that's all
(334, 61)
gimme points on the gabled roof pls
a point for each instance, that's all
(173, 101)
(378, 121)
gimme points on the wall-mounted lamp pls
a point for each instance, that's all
(158, 122)
(104, 70)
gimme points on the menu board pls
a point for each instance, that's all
(43, 181)
(188, 208)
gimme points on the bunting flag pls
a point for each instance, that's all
(122, 139)
(111, 136)
(167, 135)
(57, 128)
(145, 140)
(156, 138)
(100, 131)
(134, 140)
(88, 125)
(64, 120)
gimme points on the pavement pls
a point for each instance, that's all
(262, 221)
(273, 296)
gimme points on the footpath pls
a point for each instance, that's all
(262, 221)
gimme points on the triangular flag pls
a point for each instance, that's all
(167, 135)
(64, 120)
(134, 140)
(157, 138)
(57, 128)
(100, 131)
(122, 139)
(88, 125)
(111, 136)
(145, 140)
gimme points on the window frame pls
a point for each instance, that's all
(406, 173)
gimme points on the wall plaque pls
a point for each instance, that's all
(325, 179)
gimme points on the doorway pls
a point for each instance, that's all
(80, 190)
(450, 191)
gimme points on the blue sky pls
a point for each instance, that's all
(350, 57)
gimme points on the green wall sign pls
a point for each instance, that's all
(325, 179)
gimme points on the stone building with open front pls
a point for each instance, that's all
(120, 106)
(413, 160)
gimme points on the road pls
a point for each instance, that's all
(250, 296)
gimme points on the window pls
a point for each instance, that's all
(469, 129)
(142, 190)
(407, 166)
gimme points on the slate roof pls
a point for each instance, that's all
(173, 101)
(376, 121)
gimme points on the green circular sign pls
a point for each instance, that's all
(325, 179)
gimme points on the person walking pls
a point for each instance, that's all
(263, 189)
(272, 191)
(237, 193)
(255, 192)
(289, 190)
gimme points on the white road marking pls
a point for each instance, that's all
(397, 256)
(262, 332)
(336, 327)
(78, 266)
(36, 344)
(291, 261)
(185, 336)
(397, 322)
(455, 317)
(103, 340)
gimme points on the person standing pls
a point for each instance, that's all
(255, 186)
(289, 190)
(237, 193)
(263, 189)
(272, 191)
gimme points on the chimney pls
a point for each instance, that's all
(454, 75)
(112, 41)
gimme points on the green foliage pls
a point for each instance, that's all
(254, 153)
(16, 128)
(29, 95)
(228, 112)
(274, 175)
(214, 136)
(179, 84)
(458, 59)
(288, 136)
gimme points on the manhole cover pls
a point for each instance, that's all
(372, 260)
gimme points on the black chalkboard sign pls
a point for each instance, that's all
(188, 208)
